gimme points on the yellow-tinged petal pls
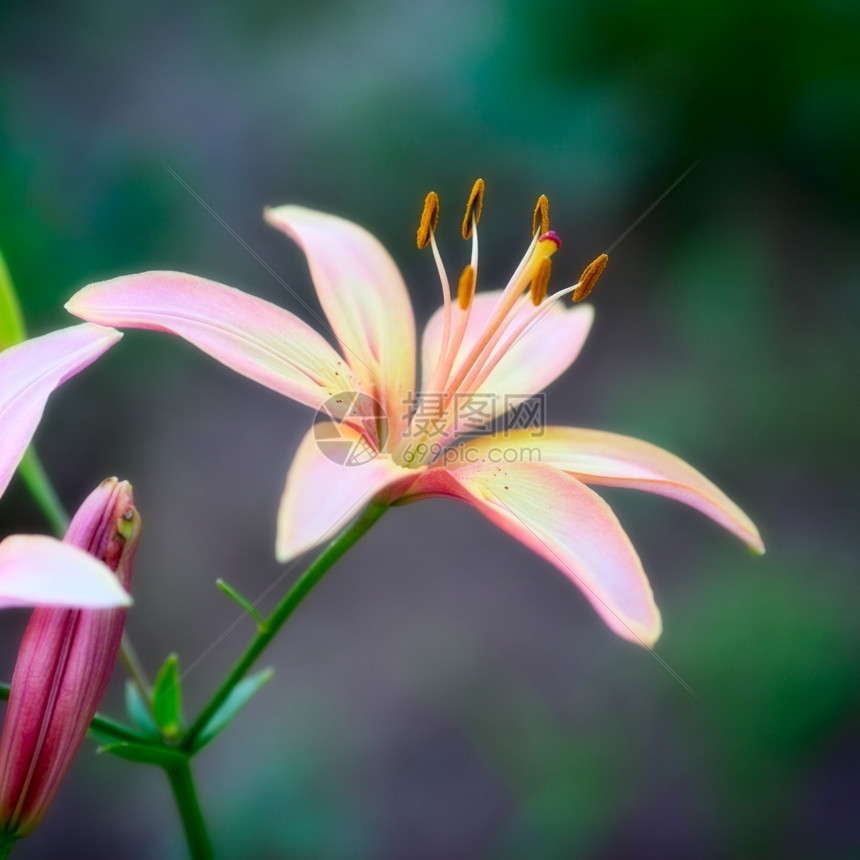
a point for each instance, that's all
(609, 459)
(363, 295)
(249, 335)
(564, 522)
(334, 474)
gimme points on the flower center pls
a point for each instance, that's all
(459, 372)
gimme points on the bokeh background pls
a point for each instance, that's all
(444, 693)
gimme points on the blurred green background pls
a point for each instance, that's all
(444, 693)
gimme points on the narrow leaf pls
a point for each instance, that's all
(138, 710)
(243, 601)
(167, 698)
(11, 320)
(240, 695)
(145, 753)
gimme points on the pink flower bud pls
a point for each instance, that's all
(64, 664)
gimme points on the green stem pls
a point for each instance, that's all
(269, 628)
(185, 794)
(43, 492)
(7, 842)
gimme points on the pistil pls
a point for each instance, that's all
(541, 247)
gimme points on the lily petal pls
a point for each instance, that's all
(334, 474)
(248, 334)
(566, 523)
(541, 354)
(29, 372)
(36, 570)
(609, 459)
(363, 295)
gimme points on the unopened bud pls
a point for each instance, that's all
(64, 664)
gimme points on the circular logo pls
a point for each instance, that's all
(351, 428)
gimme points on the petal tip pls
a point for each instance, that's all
(110, 335)
(643, 633)
(73, 305)
(751, 537)
(283, 554)
(274, 215)
(650, 637)
(101, 334)
(125, 599)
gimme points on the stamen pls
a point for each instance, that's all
(541, 216)
(473, 208)
(450, 346)
(429, 219)
(465, 295)
(466, 288)
(540, 281)
(589, 277)
(476, 379)
(446, 299)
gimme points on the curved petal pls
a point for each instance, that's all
(249, 335)
(610, 459)
(29, 372)
(540, 355)
(36, 570)
(564, 522)
(333, 475)
(364, 297)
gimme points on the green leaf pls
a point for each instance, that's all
(167, 698)
(241, 600)
(145, 753)
(239, 696)
(139, 711)
(11, 321)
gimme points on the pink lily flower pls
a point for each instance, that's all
(34, 569)
(497, 348)
(64, 664)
